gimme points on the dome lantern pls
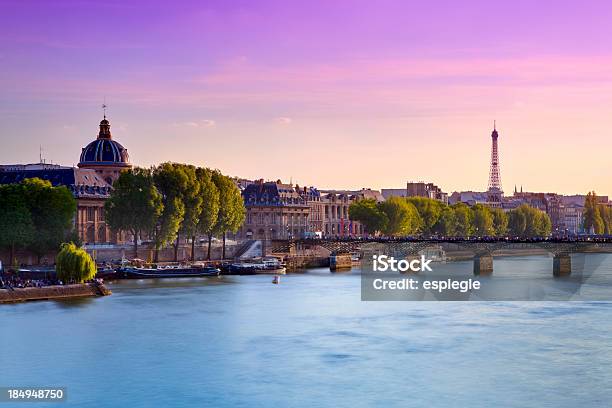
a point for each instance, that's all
(105, 132)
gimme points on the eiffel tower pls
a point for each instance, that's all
(494, 189)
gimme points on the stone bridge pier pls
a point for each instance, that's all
(483, 264)
(562, 264)
(483, 255)
(562, 258)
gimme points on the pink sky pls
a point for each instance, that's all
(344, 94)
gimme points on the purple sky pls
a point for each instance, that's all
(330, 93)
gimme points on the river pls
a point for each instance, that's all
(308, 342)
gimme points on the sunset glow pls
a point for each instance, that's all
(407, 90)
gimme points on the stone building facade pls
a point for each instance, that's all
(274, 211)
(313, 198)
(336, 203)
(428, 190)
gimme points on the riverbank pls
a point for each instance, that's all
(53, 292)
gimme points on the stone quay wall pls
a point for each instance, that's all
(53, 292)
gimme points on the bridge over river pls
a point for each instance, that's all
(483, 249)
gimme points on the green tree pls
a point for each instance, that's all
(482, 220)
(189, 194)
(500, 222)
(16, 226)
(231, 213)
(517, 223)
(592, 217)
(210, 206)
(527, 222)
(463, 220)
(52, 210)
(544, 224)
(135, 205)
(368, 213)
(402, 217)
(605, 213)
(447, 223)
(74, 264)
(533, 221)
(169, 180)
(429, 211)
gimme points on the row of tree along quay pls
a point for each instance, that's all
(399, 216)
(175, 201)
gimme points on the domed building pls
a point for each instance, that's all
(105, 155)
(100, 164)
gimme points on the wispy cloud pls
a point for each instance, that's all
(283, 120)
(203, 123)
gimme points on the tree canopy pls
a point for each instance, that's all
(134, 205)
(16, 225)
(74, 264)
(420, 215)
(401, 215)
(368, 213)
(232, 212)
(596, 216)
(429, 210)
(526, 222)
(175, 201)
(35, 215)
(482, 220)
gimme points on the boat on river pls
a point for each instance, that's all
(133, 272)
(265, 266)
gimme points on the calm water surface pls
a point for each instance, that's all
(309, 342)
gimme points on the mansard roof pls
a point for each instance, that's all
(84, 183)
(272, 194)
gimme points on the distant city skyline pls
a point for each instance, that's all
(362, 95)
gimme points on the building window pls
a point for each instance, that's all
(91, 214)
(102, 234)
(91, 234)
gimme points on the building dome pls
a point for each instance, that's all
(104, 151)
